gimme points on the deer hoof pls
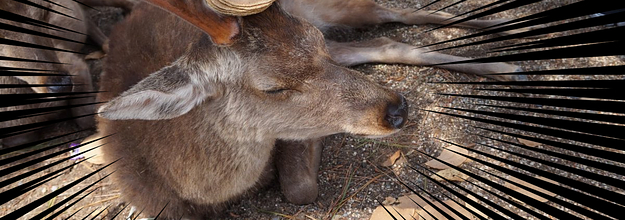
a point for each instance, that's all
(519, 77)
(301, 192)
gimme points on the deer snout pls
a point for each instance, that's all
(59, 84)
(397, 113)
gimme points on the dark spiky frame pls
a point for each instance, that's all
(588, 128)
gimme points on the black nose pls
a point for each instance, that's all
(59, 84)
(397, 113)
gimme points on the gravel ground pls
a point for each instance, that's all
(351, 165)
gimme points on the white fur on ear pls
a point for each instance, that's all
(166, 94)
(151, 105)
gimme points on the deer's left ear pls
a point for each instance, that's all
(222, 29)
(165, 94)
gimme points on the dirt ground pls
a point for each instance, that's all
(350, 170)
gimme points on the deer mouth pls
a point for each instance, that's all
(382, 121)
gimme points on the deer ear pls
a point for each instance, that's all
(222, 29)
(165, 94)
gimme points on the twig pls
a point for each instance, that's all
(95, 203)
(310, 217)
(275, 213)
(360, 189)
(88, 167)
(341, 144)
(345, 186)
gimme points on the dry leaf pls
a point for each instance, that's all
(391, 160)
(449, 157)
(406, 208)
(548, 180)
(438, 215)
(589, 99)
(100, 211)
(409, 209)
(389, 201)
(523, 191)
(96, 55)
(457, 207)
(405, 202)
(381, 214)
(528, 142)
(450, 174)
(401, 161)
(473, 208)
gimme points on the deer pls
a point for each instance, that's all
(327, 15)
(55, 71)
(206, 103)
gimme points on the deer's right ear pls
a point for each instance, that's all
(222, 29)
(165, 94)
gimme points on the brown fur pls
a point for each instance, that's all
(197, 159)
(82, 74)
(198, 125)
(327, 14)
(73, 64)
(29, 136)
(223, 30)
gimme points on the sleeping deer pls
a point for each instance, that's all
(207, 106)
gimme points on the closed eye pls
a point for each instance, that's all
(276, 91)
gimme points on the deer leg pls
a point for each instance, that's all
(298, 163)
(384, 50)
(15, 140)
(410, 17)
(97, 36)
(361, 13)
(95, 33)
(82, 83)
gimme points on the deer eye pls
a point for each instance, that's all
(276, 91)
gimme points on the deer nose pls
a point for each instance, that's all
(59, 84)
(397, 113)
